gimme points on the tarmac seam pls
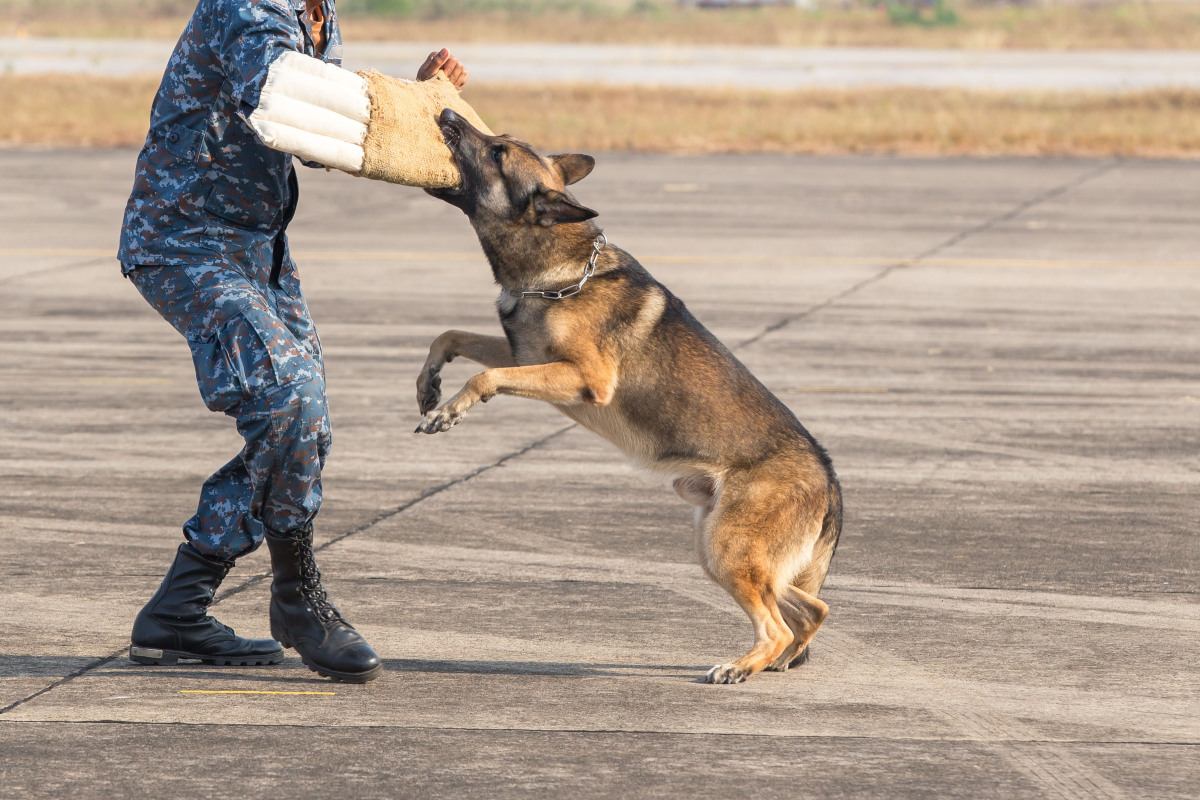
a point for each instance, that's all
(600, 731)
(63, 680)
(425, 495)
(1021, 208)
(916, 260)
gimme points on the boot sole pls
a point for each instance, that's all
(169, 658)
(334, 674)
(345, 677)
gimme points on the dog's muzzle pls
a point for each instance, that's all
(450, 132)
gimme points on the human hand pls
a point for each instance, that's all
(441, 59)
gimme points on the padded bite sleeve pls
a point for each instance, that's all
(313, 110)
(367, 124)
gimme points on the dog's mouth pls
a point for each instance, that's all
(451, 135)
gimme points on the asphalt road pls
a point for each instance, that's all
(755, 68)
(1000, 355)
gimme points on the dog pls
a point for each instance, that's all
(588, 330)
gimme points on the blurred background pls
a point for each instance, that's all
(916, 77)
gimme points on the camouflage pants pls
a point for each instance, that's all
(258, 360)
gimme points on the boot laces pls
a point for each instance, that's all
(311, 588)
(205, 603)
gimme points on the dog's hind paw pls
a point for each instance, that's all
(789, 660)
(726, 673)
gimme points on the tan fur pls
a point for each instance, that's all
(626, 360)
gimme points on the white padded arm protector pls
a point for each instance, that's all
(314, 110)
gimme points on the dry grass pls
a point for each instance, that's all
(61, 111)
(74, 111)
(1073, 26)
(908, 121)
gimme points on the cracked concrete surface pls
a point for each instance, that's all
(1000, 355)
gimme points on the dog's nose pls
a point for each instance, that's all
(448, 117)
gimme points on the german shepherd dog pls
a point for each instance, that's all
(588, 330)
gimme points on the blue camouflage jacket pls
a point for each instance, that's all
(206, 188)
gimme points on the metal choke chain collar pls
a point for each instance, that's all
(598, 245)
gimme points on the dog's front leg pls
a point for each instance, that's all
(491, 351)
(561, 383)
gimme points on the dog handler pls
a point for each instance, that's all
(204, 242)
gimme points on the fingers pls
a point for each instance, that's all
(432, 64)
(456, 72)
(444, 61)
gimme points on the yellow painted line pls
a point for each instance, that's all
(31, 251)
(842, 389)
(1052, 263)
(1019, 263)
(245, 691)
(301, 255)
(351, 255)
(125, 381)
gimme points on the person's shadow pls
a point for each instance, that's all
(287, 672)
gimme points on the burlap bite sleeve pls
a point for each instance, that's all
(404, 143)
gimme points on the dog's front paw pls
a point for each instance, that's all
(726, 673)
(429, 390)
(438, 421)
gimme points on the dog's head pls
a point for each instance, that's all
(506, 183)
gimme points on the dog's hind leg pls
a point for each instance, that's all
(771, 633)
(740, 559)
(801, 608)
(803, 613)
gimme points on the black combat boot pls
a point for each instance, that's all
(302, 616)
(175, 623)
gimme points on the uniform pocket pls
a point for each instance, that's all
(220, 385)
(185, 142)
(233, 365)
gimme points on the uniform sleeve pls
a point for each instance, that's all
(295, 103)
(248, 36)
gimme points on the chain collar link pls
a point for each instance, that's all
(598, 245)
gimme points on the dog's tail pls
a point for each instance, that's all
(812, 577)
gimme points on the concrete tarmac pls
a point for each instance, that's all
(757, 68)
(1001, 356)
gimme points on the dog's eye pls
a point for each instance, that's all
(497, 154)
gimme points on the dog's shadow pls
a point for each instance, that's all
(541, 668)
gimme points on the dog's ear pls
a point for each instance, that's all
(553, 208)
(573, 167)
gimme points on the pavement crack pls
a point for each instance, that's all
(986, 225)
(400, 509)
(799, 315)
(256, 579)
(63, 680)
(1049, 194)
(655, 731)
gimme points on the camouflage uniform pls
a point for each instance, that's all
(204, 242)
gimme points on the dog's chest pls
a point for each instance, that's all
(506, 304)
(525, 329)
